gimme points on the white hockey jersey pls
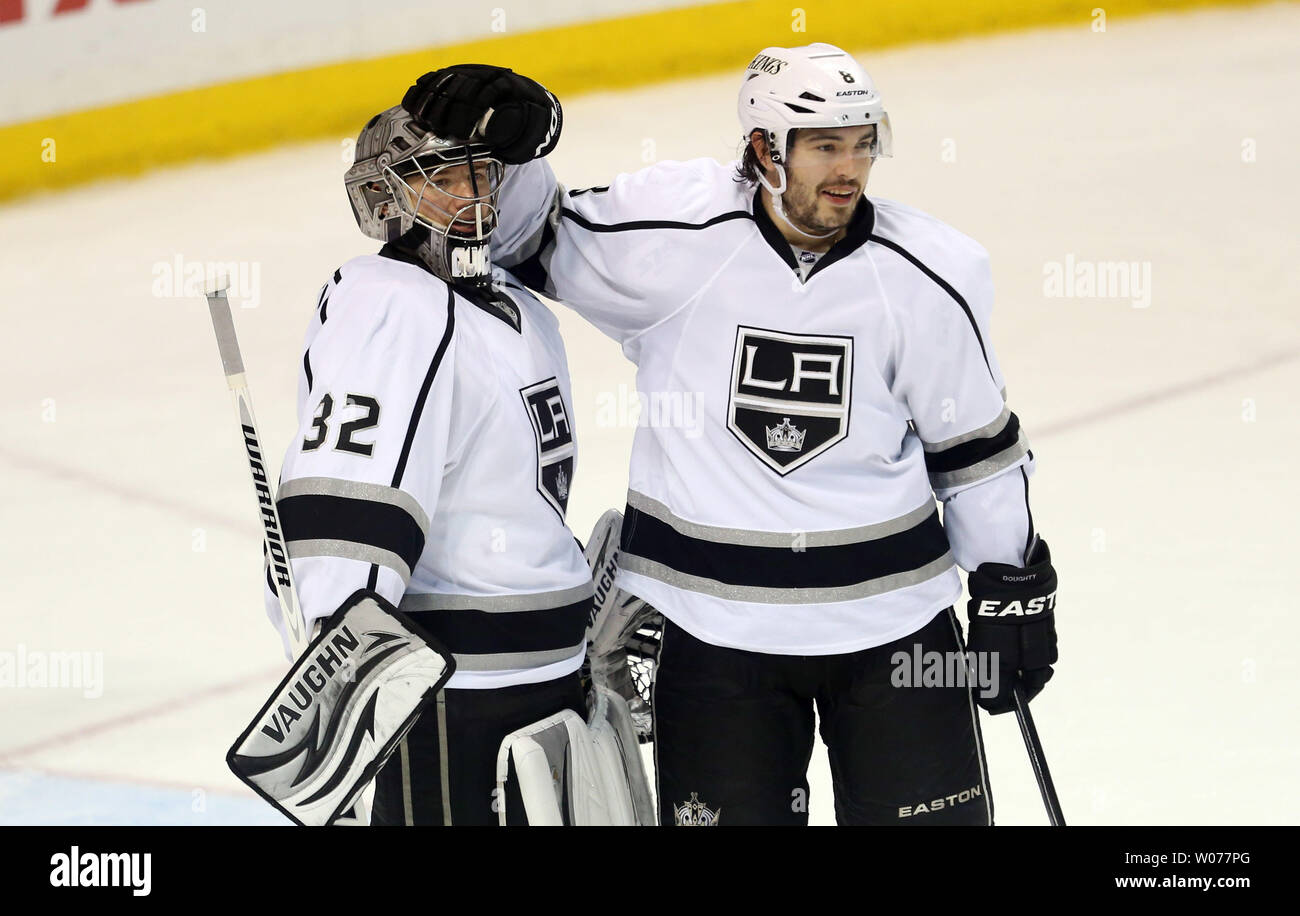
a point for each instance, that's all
(433, 460)
(790, 507)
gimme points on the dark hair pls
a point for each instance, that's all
(749, 168)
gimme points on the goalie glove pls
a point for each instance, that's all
(341, 710)
(623, 632)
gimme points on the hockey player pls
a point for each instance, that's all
(434, 458)
(838, 347)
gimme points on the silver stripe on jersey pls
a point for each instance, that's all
(355, 489)
(538, 601)
(781, 539)
(349, 550)
(761, 595)
(984, 432)
(987, 468)
(513, 661)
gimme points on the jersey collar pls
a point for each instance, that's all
(491, 300)
(859, 230)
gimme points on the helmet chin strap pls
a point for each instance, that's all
(780, 210)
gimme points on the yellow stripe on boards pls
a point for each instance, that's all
(336, 99)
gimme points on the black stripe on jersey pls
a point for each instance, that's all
(306, 354)
(312, 516)
(321, 303)
(945, 286)
(965, 454)
(780, 567)
(424, 390)
(772, 235)
(338, 276)
(470, 632)
(650, 223)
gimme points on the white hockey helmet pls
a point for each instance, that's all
(815, 85)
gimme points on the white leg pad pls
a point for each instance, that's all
(575, 772)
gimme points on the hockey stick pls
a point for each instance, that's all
(233, 365)
(286, 590)
(1036, 758)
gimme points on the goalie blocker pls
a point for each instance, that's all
(341, 710)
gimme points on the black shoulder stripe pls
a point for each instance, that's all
(306, 366)
(651, 223)
(424, 389)
(945, 286)
(966, 454)
(338, 276)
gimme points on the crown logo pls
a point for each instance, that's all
(696, 814)
(561, 485)
(785, 438)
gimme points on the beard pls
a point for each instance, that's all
(805, 208)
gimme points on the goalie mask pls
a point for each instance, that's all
(405, 178)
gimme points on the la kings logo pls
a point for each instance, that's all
(789, 399)
(555, 447)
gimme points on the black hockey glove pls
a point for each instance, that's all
(451, 102)
(1011, 612)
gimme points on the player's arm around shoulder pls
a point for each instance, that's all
(669, 192)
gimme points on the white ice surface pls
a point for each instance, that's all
(1166, 436)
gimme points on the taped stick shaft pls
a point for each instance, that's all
(282, 572)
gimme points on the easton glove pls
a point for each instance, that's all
(1011, 612)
